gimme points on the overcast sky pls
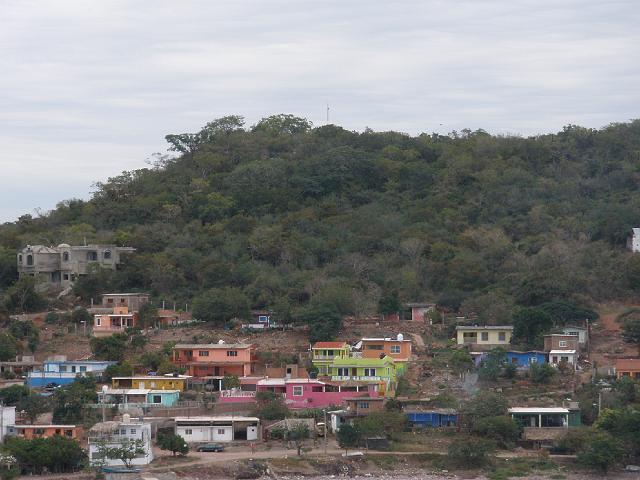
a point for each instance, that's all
(91, 87)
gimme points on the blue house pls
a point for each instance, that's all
(138, 397)
(63, 372)
(525, 359)
(437, 417)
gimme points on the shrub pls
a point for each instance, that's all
(601, 451)
(541, 373)
(503, 430)
(469, 452)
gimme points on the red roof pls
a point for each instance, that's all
(329, 345)
(625, 364)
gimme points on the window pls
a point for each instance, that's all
(222, 431)
(38, 431)
(68, 433)
(157, 399)
(329, 353)
(555, 359)
(132, 431)
(484, 336)
(65, 257)
(562, 343)
(574, 334)
(65, 276)
(533, 360)
(109, 300)
(29, 259)
(374, 347)
(297, 391)
(502, 336)
(323, 370)
(83, 368)
(564, 359)
(57, 431)
(203, 353)
(98, 321)
(92, 256)
(123, 431)
(395, 349)
(188, 431)
(369, 372)
(62, 368)
(263, 318)
(363, 405)
(343, 372)
(232, 353)
(107, 254)
(20, 258)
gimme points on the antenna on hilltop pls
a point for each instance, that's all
(327, 113)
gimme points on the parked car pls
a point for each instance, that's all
(210, 447)
(51, 386)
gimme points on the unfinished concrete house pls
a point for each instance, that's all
(56, 268)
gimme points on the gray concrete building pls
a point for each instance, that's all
(58, 267)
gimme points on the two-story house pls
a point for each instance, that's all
(46, 431)
(215, 359)
(562, 349)
(58, 267)
(132, 301)
(481, 336)
(381, 370)
(117, 322)
(323, 354)
(117, 433)
(397, 348)
(60, 371)
(138, 397)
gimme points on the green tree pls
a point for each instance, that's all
(57, 454)
(600, 451)
(492, 365)
(23, 297)
(70, 401)
(112, 347)
(138, 341)
(503, 430)
(541, 373)
(389, 303)
(348, 437)
(147, 315)
(219, 305)
(388, 424)
(8, 347)
(125, 451)
(33, 406)
(12, 395)
(484, 404)
(323, 320)
(230, 381)
(80, 314)
(469, 452)
(530, 323)
(298, 434)
(122, 369)
(173, 443)
(270, 407)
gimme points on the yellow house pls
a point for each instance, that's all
(486, 335)
(151, 382)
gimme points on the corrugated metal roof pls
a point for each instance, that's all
(329, 344)
(628, 364)
(208, 346)
(534, 410)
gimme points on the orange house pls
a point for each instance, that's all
(215, 359)
(45, 431)
(116, 322)
(397, 348)
(628, 367)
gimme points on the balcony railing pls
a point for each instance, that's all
(237, 394)
(339, 378)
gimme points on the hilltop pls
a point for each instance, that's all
(299, 219)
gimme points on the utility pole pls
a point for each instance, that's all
(326, 430)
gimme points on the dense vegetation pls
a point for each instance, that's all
(314, 221)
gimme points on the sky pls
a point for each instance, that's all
(89, 88)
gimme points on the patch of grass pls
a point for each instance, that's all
(558, 476)
(385, 462)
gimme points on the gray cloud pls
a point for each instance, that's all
(91, 88)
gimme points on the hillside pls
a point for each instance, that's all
(286, 216)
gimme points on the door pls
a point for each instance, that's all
(252, 433)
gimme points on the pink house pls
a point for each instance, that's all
(311, 393)
(116, 322)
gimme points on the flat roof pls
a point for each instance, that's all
(125, 294)
(152, 377)
(560, 352)
(44, 426)
(205, 346)
(389, 339)
(357, 399)
(219, 418)
(484, 327)
(538, 410)
(271, 381)
(329, 344)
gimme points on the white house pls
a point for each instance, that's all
(633, 241)
(114, 434)
(217, 429)
(7, 421)
(580, 332)
(557, 356)
(61, 371)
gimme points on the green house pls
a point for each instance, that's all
(382, 370)
(324, 353)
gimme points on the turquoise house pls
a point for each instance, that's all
(139, 397)
(163, 398)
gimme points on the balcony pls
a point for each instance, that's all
(325, 357)
(236, 394)
(342, 378)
